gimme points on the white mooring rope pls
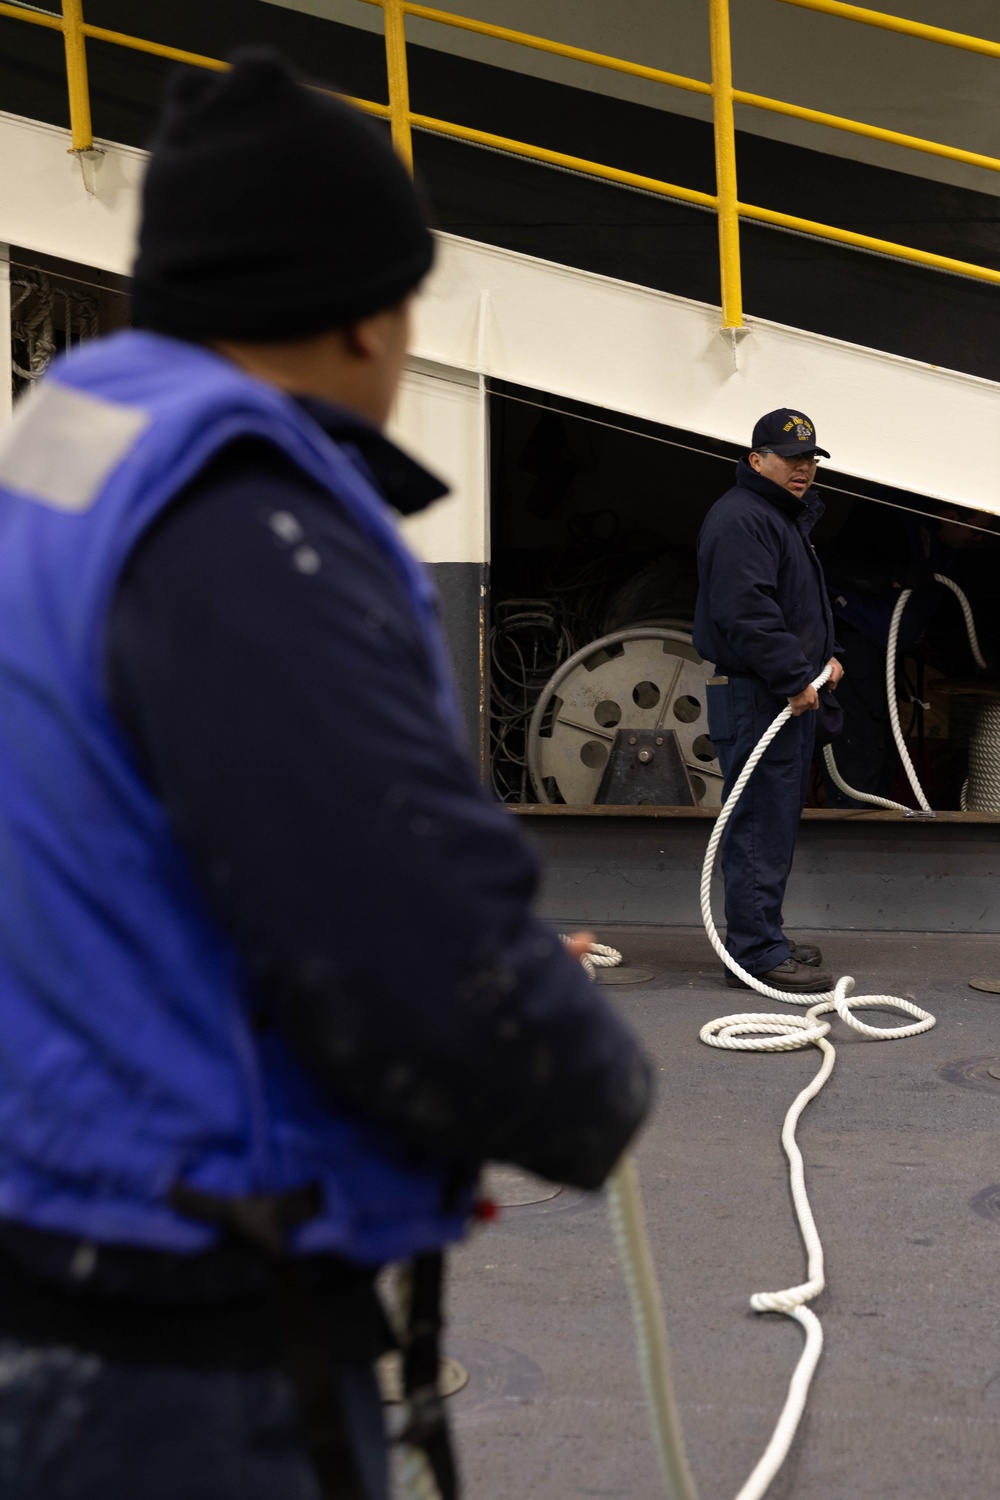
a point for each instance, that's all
(755, 1031)
(890, 692)
(748, 1032)
(783, 1032)
(970, 624)
(628, 1224)
(982, 789)
(597, 956)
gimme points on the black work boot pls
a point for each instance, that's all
(794, 977)
(806, 953)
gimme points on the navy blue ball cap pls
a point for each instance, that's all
(787, 432)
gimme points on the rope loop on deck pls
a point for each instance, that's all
(597, 956)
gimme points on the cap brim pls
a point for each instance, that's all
(792, 450)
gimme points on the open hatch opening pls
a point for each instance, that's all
(595, 516)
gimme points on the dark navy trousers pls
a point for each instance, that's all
(76, 1427)
(759, 841)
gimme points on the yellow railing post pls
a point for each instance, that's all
(725, 164)
(76, 75)
(399, 83)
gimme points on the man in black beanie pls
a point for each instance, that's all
(270, 983)
(271, 211)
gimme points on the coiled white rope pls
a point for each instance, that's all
(603, 957)
(597, 956)
(981, 792)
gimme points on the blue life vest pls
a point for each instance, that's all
(127, 1059)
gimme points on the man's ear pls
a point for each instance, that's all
(365, 340)
(754, 460)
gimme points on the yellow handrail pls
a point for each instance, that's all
(35, 17)
(544, 44)
(724, 202)
(560, 159)
(155, 49)
(874, 132)
(192, 59)
(885, 22)
(869, 242)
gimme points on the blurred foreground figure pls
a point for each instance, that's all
(270, 986)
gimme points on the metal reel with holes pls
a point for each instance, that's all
(646, 677)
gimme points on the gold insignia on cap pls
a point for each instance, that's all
(803, 428)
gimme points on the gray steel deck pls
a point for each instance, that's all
(906, 1401)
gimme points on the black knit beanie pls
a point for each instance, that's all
(271, 211)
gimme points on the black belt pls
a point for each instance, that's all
(266, 1221)
(244, 1303)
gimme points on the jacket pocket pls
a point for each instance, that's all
(721, 718)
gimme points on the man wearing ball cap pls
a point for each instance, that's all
(763, 617)
(271, 989)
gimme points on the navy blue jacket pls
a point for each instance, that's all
(762, 605)
(285, 719)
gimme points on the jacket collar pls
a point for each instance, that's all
(407, 485)
(809, 506)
